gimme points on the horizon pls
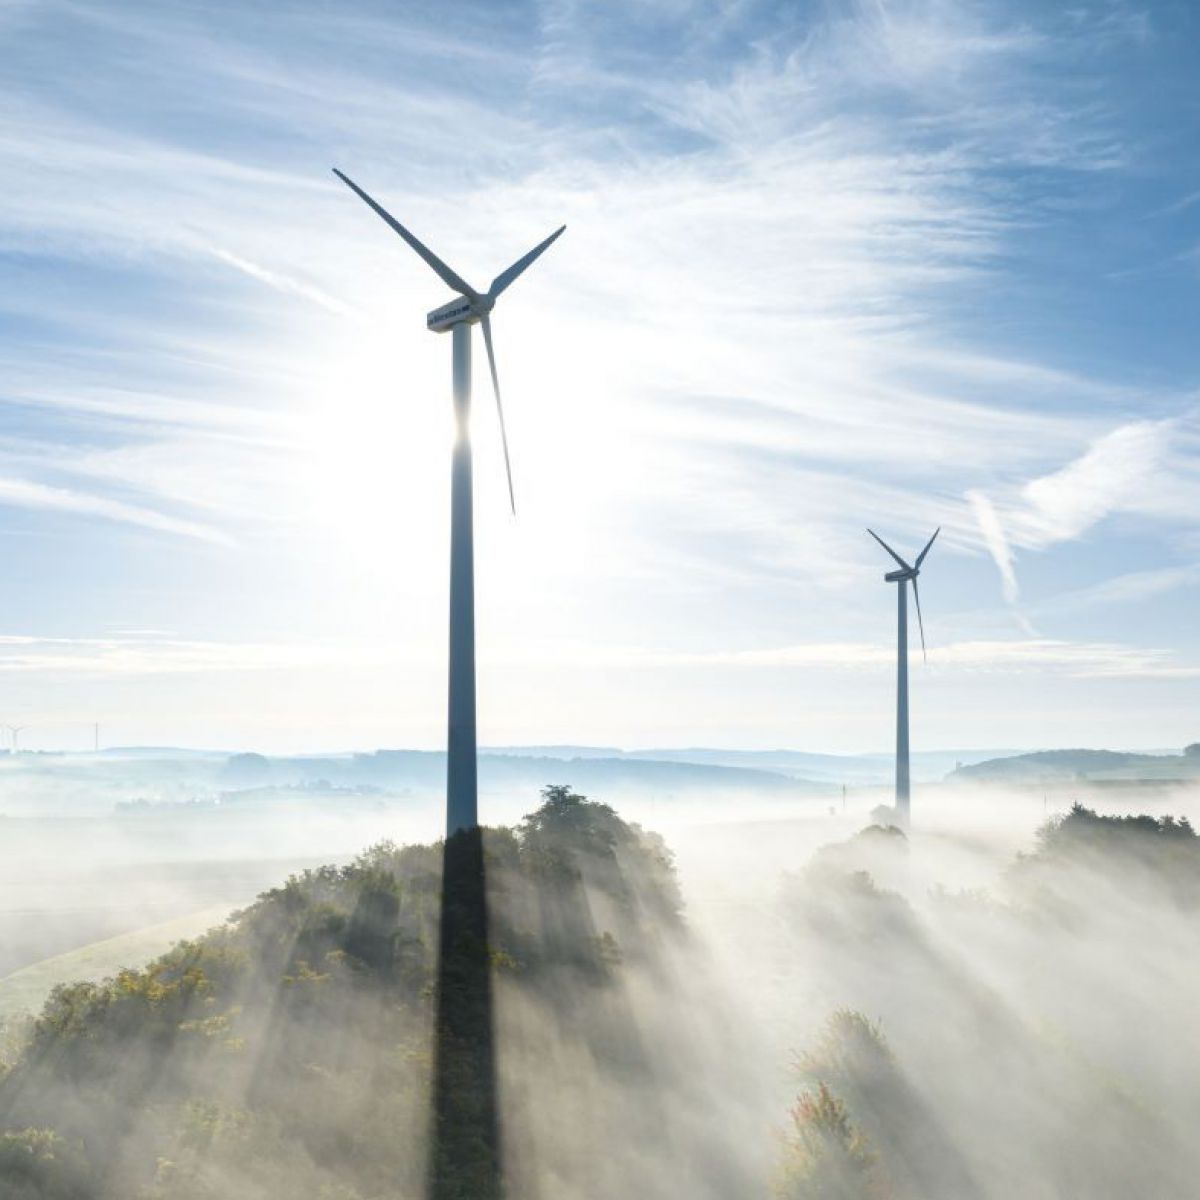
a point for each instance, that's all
(547, 750)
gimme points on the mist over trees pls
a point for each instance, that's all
(289, 1051)
(1023, 1042)
(935, 1044)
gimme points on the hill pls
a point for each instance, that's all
(44, 784)
(1069, 765)
(78, 784)
(837, 769)
(299, 1049)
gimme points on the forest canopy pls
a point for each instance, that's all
(289, 1050)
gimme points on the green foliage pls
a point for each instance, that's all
(849, 1047)
(1146, 853)
(880, 851)
(1084, 827)
(41, 1164)
(288, 1053)
(825, 1157)
(15, 1033)
(571, 837)
(867, 1131)
(837, 897)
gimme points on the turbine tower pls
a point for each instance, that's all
(468, 308)
(902, 577)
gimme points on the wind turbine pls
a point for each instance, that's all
(469, 308)
(16, 731)
(902, 577)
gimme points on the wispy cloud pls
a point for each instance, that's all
(284, 283)
(1113, 474)
(1140, 468)
(996, 541)
(813, 238)
(25, 494)
(1127, 588)
(160, 654)
(150, 653)
(1019, 657)
(792, 301)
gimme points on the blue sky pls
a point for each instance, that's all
(827, 265)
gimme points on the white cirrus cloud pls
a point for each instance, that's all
(26, 494)
(996, 541)
(1113, 474)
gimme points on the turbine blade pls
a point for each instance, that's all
(921, 556)
(487, 341)
(889, 549)
(449, 277)
(506, 277)
(920, 623)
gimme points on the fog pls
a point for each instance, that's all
(763, 992)
(94, 847)
(1030, 1020)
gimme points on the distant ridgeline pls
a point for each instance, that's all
(250, 778)
(289, 1053)
(1097, 767)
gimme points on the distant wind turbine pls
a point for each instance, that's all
(16, 731)
(470, 308)
(903, 576)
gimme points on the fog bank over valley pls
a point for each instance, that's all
(754, 986)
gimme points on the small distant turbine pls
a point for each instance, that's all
(905, 575)
(15, 731)
(470, 308)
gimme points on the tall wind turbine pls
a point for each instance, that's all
(469, 308)
(902, 578)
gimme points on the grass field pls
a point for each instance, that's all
(26, 990)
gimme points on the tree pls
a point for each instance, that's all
(826, 1157)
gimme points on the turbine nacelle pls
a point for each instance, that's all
(462, 310)
(898, 576)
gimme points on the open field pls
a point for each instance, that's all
(26, 990)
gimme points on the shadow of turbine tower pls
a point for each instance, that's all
(464, 1159)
